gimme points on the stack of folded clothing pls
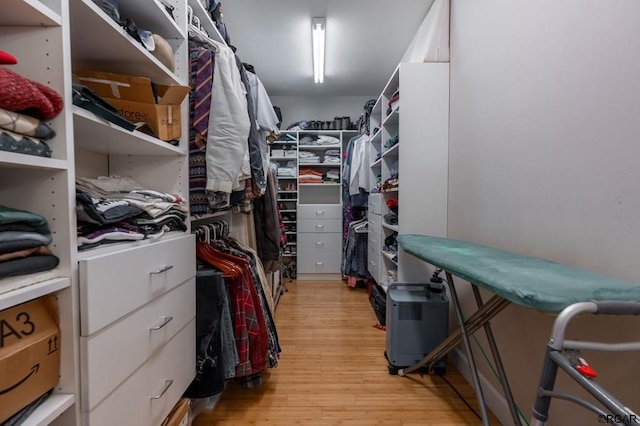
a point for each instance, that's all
(392, 141)
(319, 140)
(331, 176)
(310, 176)
(332, 156)
(24, 104)
(308, 157)
(288, 170)
(24, 237)
(112, 209)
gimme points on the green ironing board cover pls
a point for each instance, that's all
(524, 280)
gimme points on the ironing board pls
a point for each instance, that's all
(537, 284)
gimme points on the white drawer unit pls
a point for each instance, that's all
(374, 241)
(141, 333)
(319, 226)
(322, 263)
(147, 396)
(374, 263)
(320, 211)
(312, 243)
(319, 241)
(375, 203)
(114, 284)
(375, 223)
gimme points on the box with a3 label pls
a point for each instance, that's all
(29, 354)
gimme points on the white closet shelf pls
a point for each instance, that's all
(392, 121)
(204, 217)
(95, 134)
(392, 227)
(377, 138)
(320, 184)
(16, 290)
(28, 13)
(153, 18)
(305, 165)
(320, 132)
(377, 108)
(97, 42)
(284, 143)
(50, 409)
(14, 160)
(391, 152)
(317, 147)
(390, 257)
(392, 85)
(376, 163)
(390, 190)
(205, 21)
(109, 249)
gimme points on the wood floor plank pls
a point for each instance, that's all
(332, 371)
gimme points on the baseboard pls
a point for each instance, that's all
(318, 277)
(494, 398)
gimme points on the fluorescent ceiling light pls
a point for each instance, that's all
(317, 33)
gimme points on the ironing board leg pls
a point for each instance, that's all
(493, 307)
(498, 361)
(467, 347)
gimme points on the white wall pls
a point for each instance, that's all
(325, 108)
(545, 160)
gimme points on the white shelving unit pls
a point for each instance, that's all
(320, 212)
(419, 160)
(51, 39)
(284, 154)
(36, 33)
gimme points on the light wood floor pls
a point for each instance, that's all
(332, 371)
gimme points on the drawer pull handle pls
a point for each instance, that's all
(319, 226)
(167, 385)
(319, 213)
(166, 321)
(163, 269)
(319, 243)
(319, 263)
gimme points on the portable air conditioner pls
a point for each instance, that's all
(417, 322)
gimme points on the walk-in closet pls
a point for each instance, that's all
(319, 212)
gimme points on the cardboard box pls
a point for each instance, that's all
(139, 100)
(29, 354)
(179, 415)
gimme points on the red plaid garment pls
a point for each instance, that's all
(249, 326)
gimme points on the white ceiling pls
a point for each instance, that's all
(365, 40)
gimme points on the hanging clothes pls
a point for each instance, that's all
(251, 307)
(210, 373)
(355, 250)
(229, 128)
(266, 118)
(255, 155)
(268, 225)
(201, 81)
